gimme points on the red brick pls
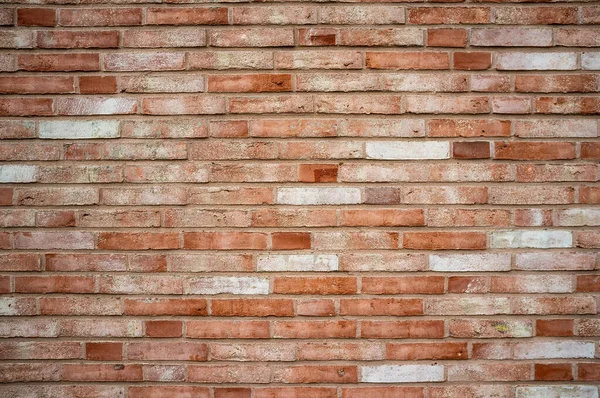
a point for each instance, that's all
(26, 107)
(382, 218)
(315, 285)
(421, 351)
(314, 329)
(446, 37)
(36, 17)
(224, 240)
(383, 392)
(290, 240)
(468, 284)
(534, 150)
(54, 284)
(5, 284)
(589, 194)
(472, 60)
(36, 85)
(555, 83)
(471, 150)
(163, 328)
(553, 372)
(590, 150)
(59, 62)
(381, 306)
(104, 351)
(233, 393)
(97, 84)
(46, 350)
(249, 83)
(293, 392)
(100, 16)
(403, 285)
(253, 307)
(469, 128)
(154, 307)
(316, 307)
(567, 105)
(444, 240)
(318, 173)
(210, 329)
(187, 16)
(588, 372)
(317, 36)
(407, 60)
(168, 391)
(449, 15)
(171, 350)
(19, 262)
(138, 241)
(588, 283)
(90, 372)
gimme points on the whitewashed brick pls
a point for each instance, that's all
(469, 262)
(542, 239)
(536, 61)
(298, 262)
(12, 306)
(555, 261)
(318, 196)
(511, 37)
(102, 328)
(401, 373)
(382, 128)
(18, 173)
(556, 128)
(29, 327)
(468, 306)
(554, 350)
(373, 14)
(544, 284)
(227, 285)
(253, 352)
(79, 130)
(165, 84)
(393, 262)
(590, 61)
(528, 305)
(557, 392)
(578, 217)
(408, 150)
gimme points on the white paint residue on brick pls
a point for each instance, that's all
(401, 373)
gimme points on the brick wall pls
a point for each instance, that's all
(299, 199)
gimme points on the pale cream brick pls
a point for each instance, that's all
(297, 262)
(408, 150)
(401, 373)
(557, 391)
(489, 262)
(536, 61)
(318, 196)
(79, 130)
(227, 285)
(554, 350)
(543, 239)
(18, 173)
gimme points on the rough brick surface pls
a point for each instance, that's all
(299, 199)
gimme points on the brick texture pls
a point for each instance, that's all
(299, 198)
